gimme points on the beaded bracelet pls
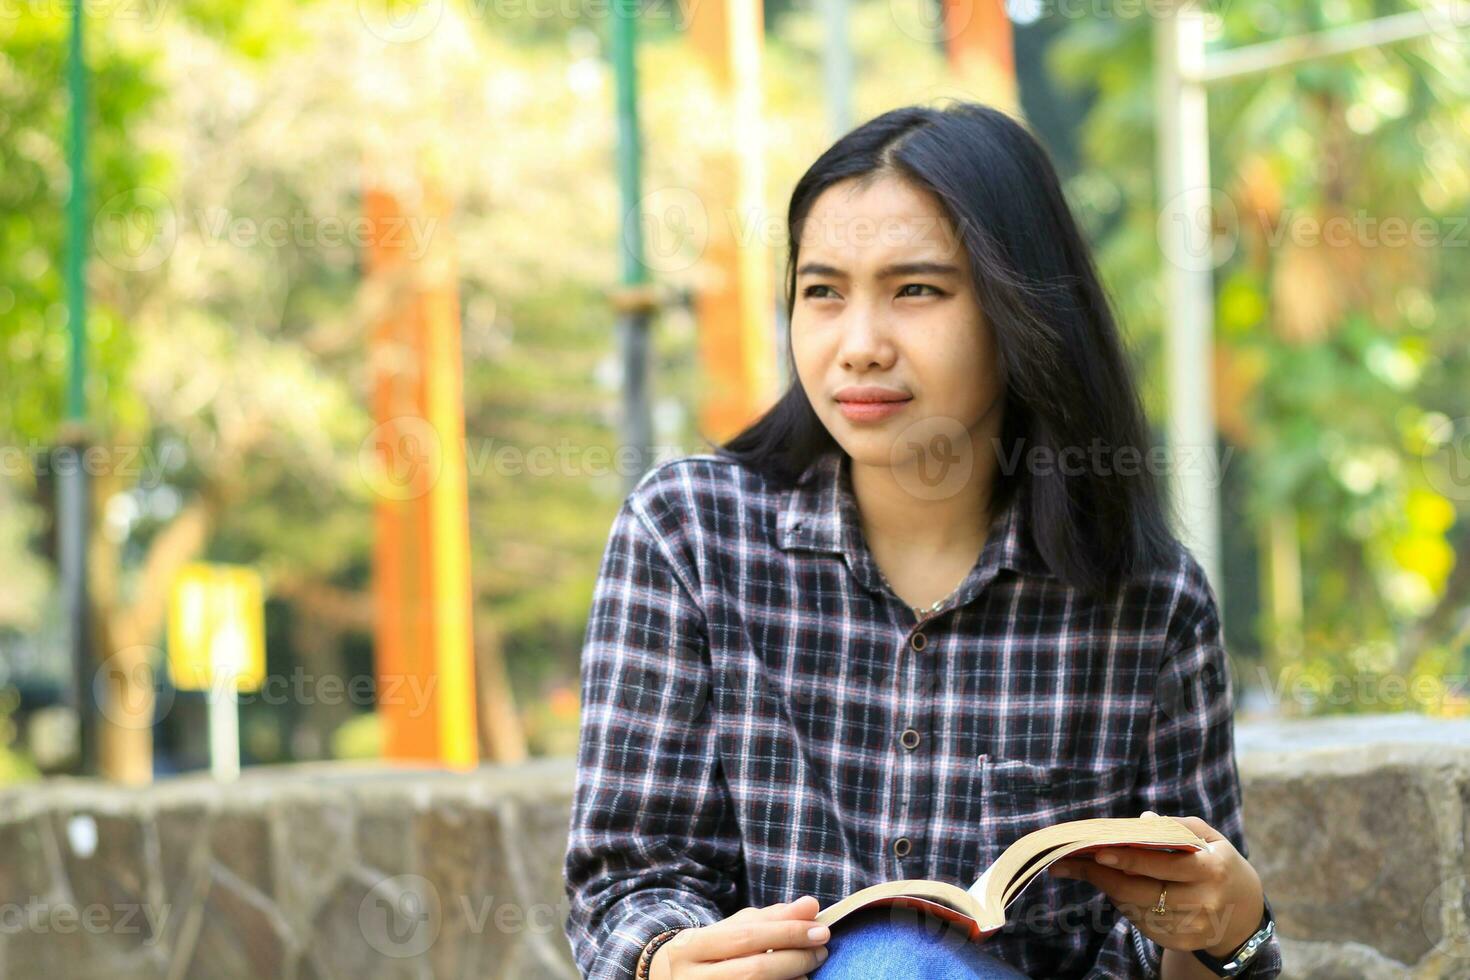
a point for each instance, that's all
(645, 962)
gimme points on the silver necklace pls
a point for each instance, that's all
(920, 611)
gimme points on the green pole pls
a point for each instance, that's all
(72, 502)
(76, 221)
(630, 147)
(635, 306)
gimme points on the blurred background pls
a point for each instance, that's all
(319, 391)
(333, 334)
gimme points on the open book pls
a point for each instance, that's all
(981, 909)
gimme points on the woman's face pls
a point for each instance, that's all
(884, 298)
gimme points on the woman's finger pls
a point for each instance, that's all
(1139, 893)
(731, 939)
(1165, 866)
(777, 965)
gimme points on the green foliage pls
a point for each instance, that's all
(360, 737)
(15, 766)
(1351, 350)
(33, 158)
(240, 364)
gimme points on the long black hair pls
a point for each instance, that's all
(1068, 380)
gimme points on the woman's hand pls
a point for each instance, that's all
(775, 942)
(1214, 902)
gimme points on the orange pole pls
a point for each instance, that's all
(981, 50)
(415, 464)
(735, 305)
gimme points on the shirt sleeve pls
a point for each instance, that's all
(1189, 766)
(652, 844)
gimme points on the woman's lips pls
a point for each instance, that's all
(871, 411)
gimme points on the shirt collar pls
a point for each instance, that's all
(820, 513)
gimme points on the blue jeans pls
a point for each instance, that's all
(904, 944)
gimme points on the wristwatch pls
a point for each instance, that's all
(1239, 960)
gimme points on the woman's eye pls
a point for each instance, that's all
(811, 291)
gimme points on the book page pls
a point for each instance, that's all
(1023, 859)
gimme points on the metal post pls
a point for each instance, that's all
(72, 516)
(1182, 70)
(1222, 66)
(1186, 240)
(837, 66)
(224, 730)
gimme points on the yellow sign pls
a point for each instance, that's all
(216, 627)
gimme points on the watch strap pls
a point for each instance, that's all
(1239, 960)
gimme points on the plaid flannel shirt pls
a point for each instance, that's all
(763, 718)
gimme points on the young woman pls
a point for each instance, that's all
(927, 604)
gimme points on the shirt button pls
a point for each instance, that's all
(909, 739)
(919, 641)
(902, 846)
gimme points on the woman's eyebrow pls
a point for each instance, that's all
(887, 272)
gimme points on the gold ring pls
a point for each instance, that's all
(1159, 905)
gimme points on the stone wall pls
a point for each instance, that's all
(307, 872)
(1360, 843)
(316, 872)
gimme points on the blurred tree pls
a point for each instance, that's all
(1341, 323)
(227, 340)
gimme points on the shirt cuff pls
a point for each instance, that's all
(1150, 954)
(619, 960)
(1265, 965)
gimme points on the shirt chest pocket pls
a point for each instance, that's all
(1024, 796)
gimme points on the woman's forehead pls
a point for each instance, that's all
(883, 197)
(888, 217)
